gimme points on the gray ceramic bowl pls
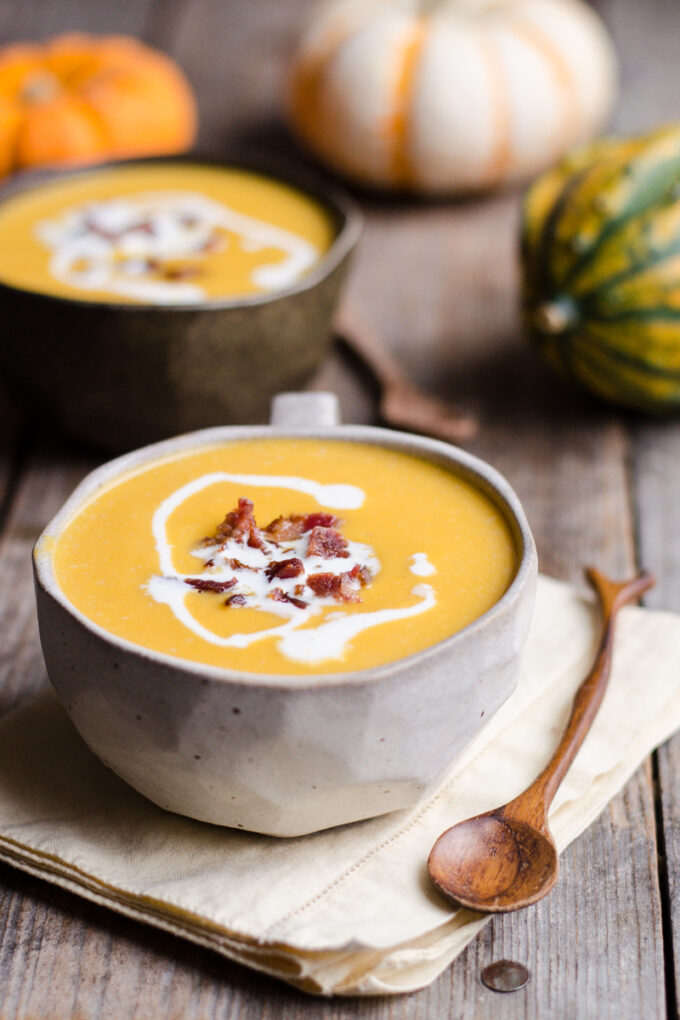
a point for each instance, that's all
(117, 375)
(278, 754)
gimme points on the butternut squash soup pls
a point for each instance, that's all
(165, 233)
(286, 556)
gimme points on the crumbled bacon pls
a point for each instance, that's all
(338, 586)
(363, 574)
(212, 243)
(324, 584)
(187, 272)
(240, 526)
(326, 543)
(282, 569)
(320, 520)
(91, 226)
(279, 595)
(286, 529)
(144, 227)
(204, 584)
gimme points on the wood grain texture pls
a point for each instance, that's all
(438, 282)
(40, 19)
(656, 454)
(40, 492)
(646, 35)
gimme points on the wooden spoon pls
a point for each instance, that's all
(402, 404)
(506, 859)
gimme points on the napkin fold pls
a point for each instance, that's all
(349, 910)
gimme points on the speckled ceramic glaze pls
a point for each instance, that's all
(117, 375)
(285, 755)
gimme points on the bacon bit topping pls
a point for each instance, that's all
(324, 584)
(326, 543)
(203, 584)
(212, 243)
(320, 520)
(364, 574)
(91, 227)
(151, 265)
(144, 227)
(338, 586)
(181, 272)
(279, 595)
(237, 565)
(240, 525)
(283, 569)
(286, 529)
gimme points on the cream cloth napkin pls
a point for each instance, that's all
(350, 910)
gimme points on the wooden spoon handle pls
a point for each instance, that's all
(361, 340)
(533, 804)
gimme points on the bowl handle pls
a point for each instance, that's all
(305, 410)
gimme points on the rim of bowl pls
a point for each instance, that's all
(493, 484)
(345, 213)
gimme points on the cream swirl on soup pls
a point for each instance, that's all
(295, 568)
(175, 233)
(151, 246)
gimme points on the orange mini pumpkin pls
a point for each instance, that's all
(83, 98)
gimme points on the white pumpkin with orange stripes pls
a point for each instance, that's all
(446, 96)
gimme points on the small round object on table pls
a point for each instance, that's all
(505, 976)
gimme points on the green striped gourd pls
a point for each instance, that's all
(601, 268)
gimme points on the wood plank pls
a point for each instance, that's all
(52, 475)
(646, 35)
(593, 947)
(13, 439)
(235, 56)
(657, 495)
(43, 18)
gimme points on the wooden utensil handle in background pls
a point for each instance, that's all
(367, 346)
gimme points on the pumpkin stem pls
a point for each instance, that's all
(555, 317)
(40, 87)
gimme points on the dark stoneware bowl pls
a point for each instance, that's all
(117, 375)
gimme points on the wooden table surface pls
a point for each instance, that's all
(439, 282)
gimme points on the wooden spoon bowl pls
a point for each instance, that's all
(491, 858)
